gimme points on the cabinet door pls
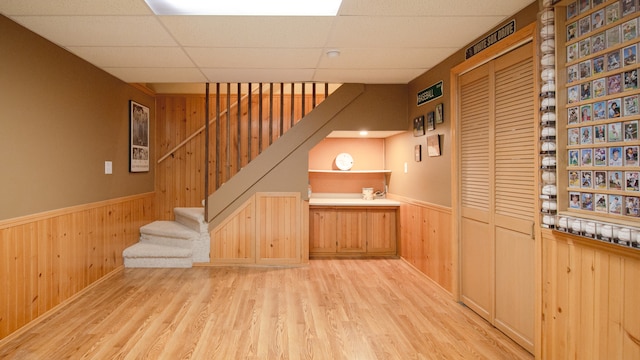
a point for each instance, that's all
(322, 231)
(351, 230)
(381, 226)
(278, 228)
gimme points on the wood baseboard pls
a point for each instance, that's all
(54, 309)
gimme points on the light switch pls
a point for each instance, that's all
(406, 168)
(108, 167)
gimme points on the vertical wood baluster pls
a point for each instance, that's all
(218, 136)
(239, 129)
(260, 120)
(228, 157)
(303, 99)
(270, 113)
(281, 109)
(250, 92)
(293, 104)
(313, 96)
(206, 154)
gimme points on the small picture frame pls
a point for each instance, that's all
(431, 123)
(433, 145)
(138, 137)
(417, 153)
(418, 126)
(440, 113)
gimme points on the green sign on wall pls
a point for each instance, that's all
(432, 92)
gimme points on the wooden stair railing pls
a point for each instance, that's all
(243, 120)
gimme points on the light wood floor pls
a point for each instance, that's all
(332, 309)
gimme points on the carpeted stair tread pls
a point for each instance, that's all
(169, 229)
(148, 250)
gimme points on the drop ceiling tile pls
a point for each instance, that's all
(149, 75)
(134, 57)
(99, 30)
(245, 31)
(377, 58)
(74, 7)
(399, 32)
(368, 76)
(255, 57)
(258, 75)
(431, 7)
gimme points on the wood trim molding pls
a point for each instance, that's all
(440, 208)
(68, 210)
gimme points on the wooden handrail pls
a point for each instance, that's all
(185, 141)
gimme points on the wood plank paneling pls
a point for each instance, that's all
(425, 240)
(590, 299)
(45, 259)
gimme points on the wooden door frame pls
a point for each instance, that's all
(520, 37)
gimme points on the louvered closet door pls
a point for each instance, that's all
(515, 196)
(476, 242)
(497, 148)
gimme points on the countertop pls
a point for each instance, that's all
(348, 200)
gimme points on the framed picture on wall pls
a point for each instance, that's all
(418, 126)
(417, 153)
(440, 113)
(138, 137)
(431, 124)
(433, 145)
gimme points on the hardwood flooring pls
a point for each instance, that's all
(332, 309)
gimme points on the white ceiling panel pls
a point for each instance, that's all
(258, 75)
(380, 41)
(152, 75)
(139, 57)
(99, 30)
(383, 58)
(245, 31)
(74, 7)
(461, 8)
(401, 32)
(255, 57)
(368, 76)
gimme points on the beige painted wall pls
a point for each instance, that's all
(60, 119)
(430, 180)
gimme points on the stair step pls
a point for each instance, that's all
(191, 217)
(146, 255)
(173, 229)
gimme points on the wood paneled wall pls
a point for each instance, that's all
(180, 177)
(45, 259)
(425, 240)
(591, 297)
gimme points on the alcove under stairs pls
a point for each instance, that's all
(171, 244)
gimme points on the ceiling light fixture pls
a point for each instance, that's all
(246, 7)
(333, 53)
(364, 133)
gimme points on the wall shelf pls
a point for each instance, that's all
(350, 171)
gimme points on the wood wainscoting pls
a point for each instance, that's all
(590, 299)
(268, 229)
(425, 239)
(47, 258)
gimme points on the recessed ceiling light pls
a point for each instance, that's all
(246, 7)
(364, 133)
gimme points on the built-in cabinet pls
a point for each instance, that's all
(266, 230)
(352, 230)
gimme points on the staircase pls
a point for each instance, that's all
(171, 244)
